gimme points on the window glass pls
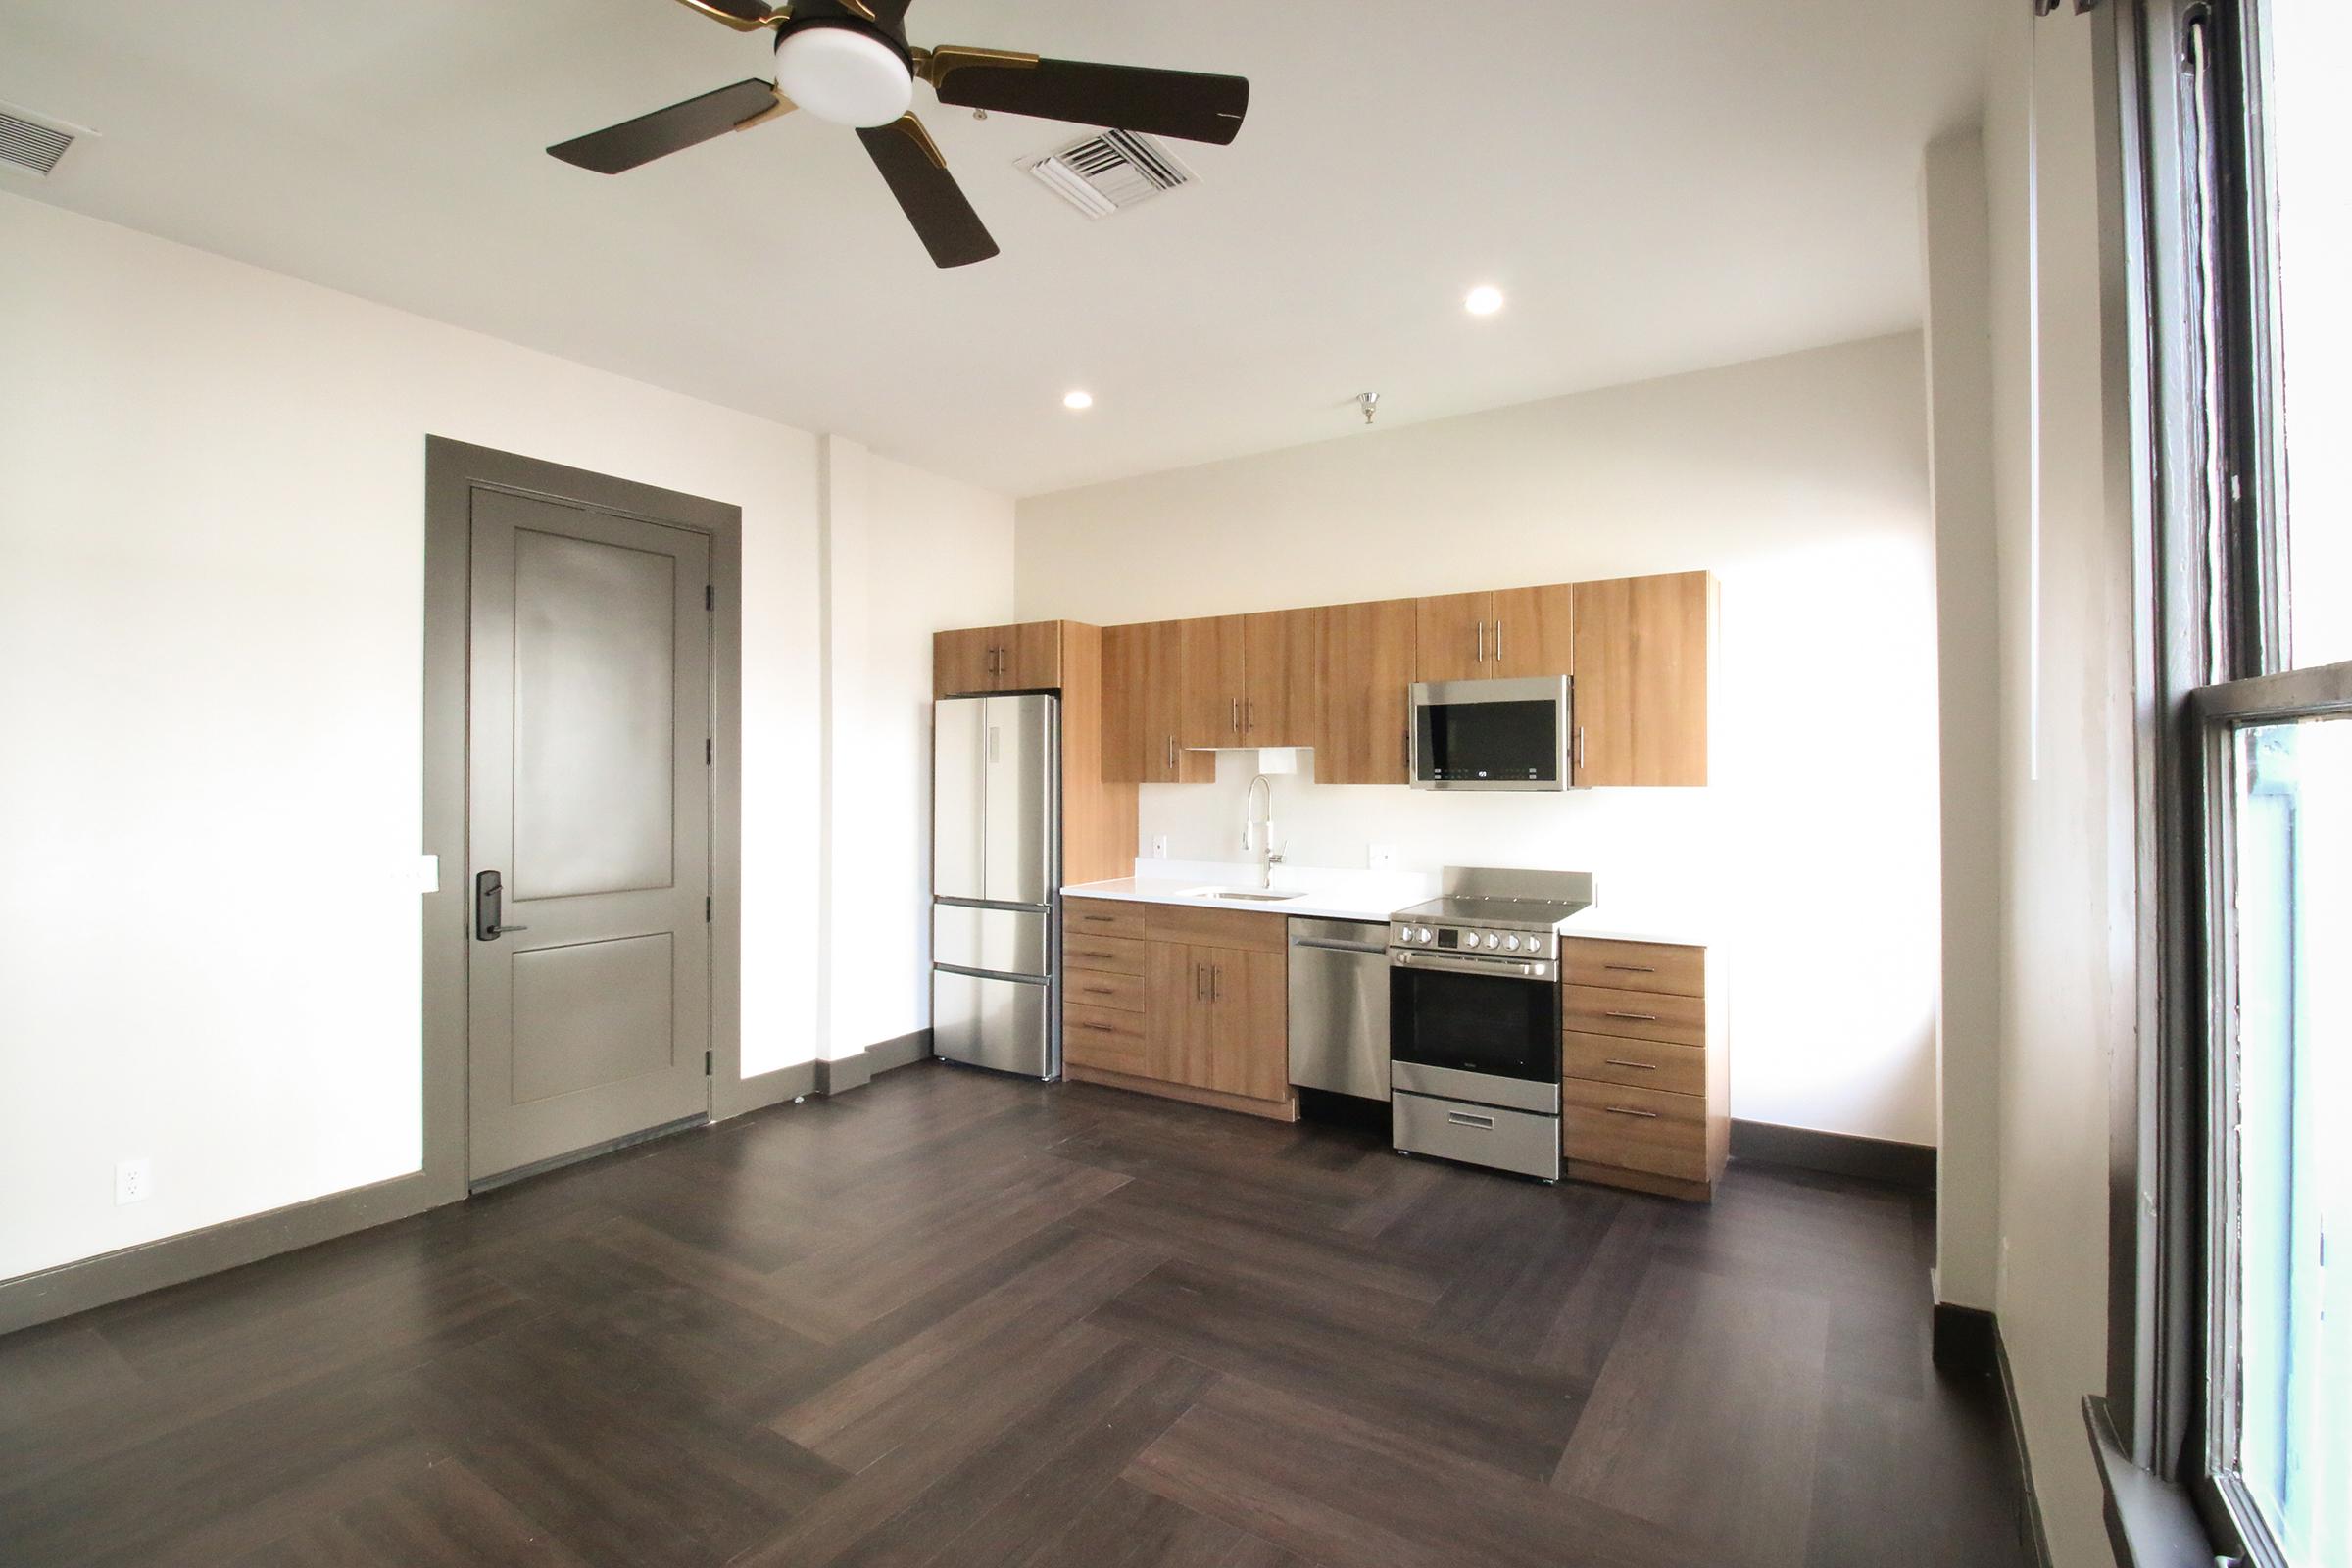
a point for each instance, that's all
(2308, 107)
(2292, 1080)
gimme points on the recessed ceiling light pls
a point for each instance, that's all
(1484, 300)
(1078, 399)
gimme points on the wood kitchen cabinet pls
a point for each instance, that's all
(1209, 676)
(1281, 684)
(1365, 662)
(1183, 1001)
(1508, 632)
(979, 659)
(1143, 707)
(1644, 657)
(1645, 1066)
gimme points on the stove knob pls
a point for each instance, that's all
(1494, 941)
(1511, 944)
(1426, 934)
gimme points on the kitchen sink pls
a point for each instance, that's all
(1243, 895)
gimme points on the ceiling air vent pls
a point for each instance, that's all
(34, 143)
(1110, 172)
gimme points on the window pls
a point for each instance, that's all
(2231, 1363)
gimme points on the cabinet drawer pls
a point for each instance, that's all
(1634, 967)
(1634, 1014)
(1635, 1129)
(1636, 1063)
(1095, 918)
(1102, 988)
(1237, 930)
(1110, 954)
(1096, 1037)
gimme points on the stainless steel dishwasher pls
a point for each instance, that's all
(1339, 1006)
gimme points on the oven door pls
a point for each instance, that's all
(1477, 1016)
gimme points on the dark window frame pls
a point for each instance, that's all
(2191, 303)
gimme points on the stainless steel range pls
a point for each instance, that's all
(1474, 1018)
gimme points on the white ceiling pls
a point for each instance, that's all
(1658, 185)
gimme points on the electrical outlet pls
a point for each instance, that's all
(1381, 856)
(1159, 846)
(132, 1181)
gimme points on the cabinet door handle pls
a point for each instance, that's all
(1637, 1066)
(1250, 711)
(1200, 982)
(1482, 642)
(1499, 639)
(1098, 1028)
(1216, 982)
(1630, 968)
(1621, 1110)
(1100, 990)
(1580, 747)
(1234, 721)
(1637, 1018)
(1461, 1119)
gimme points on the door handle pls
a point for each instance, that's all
(1250, 715)
(1626, 1110)
(1200, 982)
(1460, 1120)
(1217, 981)
(489, 904)
(1499, 639)
(1234, 721)
(1580, 747)
(1482, 642)
(1636, 1017)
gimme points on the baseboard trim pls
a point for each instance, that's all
(768, 1089)
(905, 1051)
(1877, 1160)
(2031, 1536)
(1967, 1340)
(92, 1282)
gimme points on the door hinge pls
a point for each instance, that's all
(706, 1065)
(709, 596)
(706, 911)
(709, 751)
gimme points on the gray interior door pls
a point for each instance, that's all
(589, 804)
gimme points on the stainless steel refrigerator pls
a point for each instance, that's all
(995, 874)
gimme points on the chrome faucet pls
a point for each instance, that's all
(1267, 857)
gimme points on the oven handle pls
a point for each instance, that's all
(1500, 968)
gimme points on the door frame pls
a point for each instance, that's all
(452, 470)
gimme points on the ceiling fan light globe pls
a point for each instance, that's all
(843, 76)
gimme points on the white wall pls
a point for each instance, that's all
(1956, 245)
(911, 554)
(210, 567)
(2066, 758)
(1802, 481)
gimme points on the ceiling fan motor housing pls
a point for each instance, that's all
(845, 69)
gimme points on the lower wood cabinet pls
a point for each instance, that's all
(1188, 1003)
(1644, 1067)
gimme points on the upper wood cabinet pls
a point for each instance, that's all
(1487, 636)
(1364, 659)
(1210, 671)
(1281, 686)
(997, 658)
(1642, 647)
(1143, 707)
(1530, 632)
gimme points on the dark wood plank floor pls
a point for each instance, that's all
(959, 1319)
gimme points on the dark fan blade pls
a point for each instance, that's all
(744, 15)
(935, 205)
(1163, 103)
(668, 131)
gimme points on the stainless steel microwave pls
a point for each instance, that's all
(1491, 734)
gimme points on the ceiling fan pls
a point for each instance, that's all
(848, 62)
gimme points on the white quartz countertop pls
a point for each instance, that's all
(1368, 899)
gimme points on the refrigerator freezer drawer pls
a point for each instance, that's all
(1001, 941)
(989, 1021)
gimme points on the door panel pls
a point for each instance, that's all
(964, 661)
(1530, 634)
(589, 713)
(1450, 637)
(1364, 656)
(1279, 697)
(1176, 1028)
(1124, 745)
(1209, 675)
(1642, 679)
(958, 796)
(1248, 1047)
(594, 640)
(1022, 776)
(1164, 758)
(1029, 656)
(597, 1012)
